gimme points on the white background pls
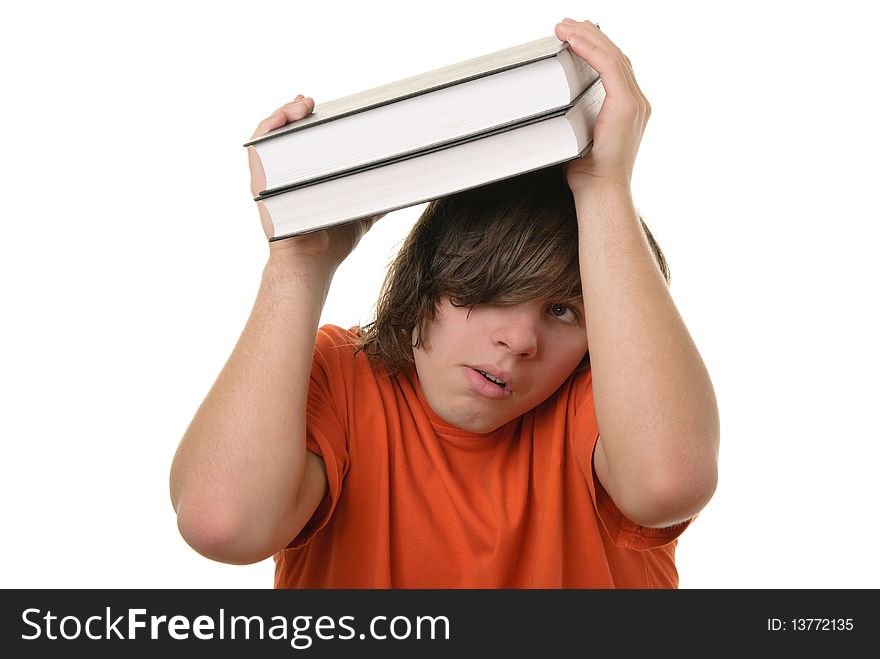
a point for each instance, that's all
(131, 254)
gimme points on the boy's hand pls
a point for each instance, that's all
(298, 108)
(332, 244)
(624, 114)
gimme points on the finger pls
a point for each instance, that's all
(363, 226)
(258, 177)
(634, 85)
(614, 68)
(627, 64)
(298, 108)
(627, 69)
(591, 45)
(370, 221)
(644, 106)
(571, 21)
(301, 106)
(589, 26)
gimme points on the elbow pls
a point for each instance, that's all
(217, 535)
(673, 498)
(679, 502)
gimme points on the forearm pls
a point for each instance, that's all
(655, 404)
(238, 468)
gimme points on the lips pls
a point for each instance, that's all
(489, 382)
(493, 373)
(492, 378)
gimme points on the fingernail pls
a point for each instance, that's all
(299, 97)
(568, 20)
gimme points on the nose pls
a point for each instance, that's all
(517, 331)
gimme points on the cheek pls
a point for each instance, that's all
(567, 353)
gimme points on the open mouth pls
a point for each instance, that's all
(491, 378)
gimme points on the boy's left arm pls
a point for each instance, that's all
(655, 404)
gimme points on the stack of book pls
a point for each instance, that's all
(418, 139)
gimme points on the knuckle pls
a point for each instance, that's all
(630, 107)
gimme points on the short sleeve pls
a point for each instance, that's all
(326, 425)
(621, 531)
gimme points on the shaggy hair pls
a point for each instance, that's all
(503, 243)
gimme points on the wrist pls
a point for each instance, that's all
(601, 191)
(312, 250)
(288, 265)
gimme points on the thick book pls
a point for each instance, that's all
(420, 177)
(423, 112)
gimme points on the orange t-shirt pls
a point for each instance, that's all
(416, 503)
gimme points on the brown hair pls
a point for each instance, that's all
(505, 243)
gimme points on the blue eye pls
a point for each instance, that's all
(558, 309)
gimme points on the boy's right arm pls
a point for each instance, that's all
(242, 482)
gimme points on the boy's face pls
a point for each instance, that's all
(531, 347)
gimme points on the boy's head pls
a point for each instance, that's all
(488, 279)
(504, 243)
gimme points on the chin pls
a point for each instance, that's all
(481, 428)
(478, 425)
(470, 414)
